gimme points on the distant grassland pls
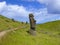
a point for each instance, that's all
(50, 26)
(47, 33)
(6, 23)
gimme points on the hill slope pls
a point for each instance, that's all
(50, 26)
(47, 34)
(6, 23)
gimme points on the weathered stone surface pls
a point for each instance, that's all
(32, 32)
(32, 24)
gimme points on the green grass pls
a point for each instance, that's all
(50, 26)
(6, 23)
(21, 37)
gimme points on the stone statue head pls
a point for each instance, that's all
(31, 15)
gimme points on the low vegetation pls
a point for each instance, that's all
(47, 33)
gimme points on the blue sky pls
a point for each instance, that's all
(24, 3)
(43, 10)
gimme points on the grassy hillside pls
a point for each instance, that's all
(47, 34)
(6, 23)
(50, 26)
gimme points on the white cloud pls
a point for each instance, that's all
(2, 6)
(42, 1)
(53, 6)
(21, 13)
(13, 10)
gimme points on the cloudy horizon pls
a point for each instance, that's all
(43, 10)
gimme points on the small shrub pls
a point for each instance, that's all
(26, 22)
(13, 20)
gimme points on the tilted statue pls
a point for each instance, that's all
(32, 24)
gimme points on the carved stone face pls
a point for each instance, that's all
(31, 15)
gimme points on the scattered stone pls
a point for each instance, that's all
(32, 32)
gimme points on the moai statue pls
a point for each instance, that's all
(32, 24)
